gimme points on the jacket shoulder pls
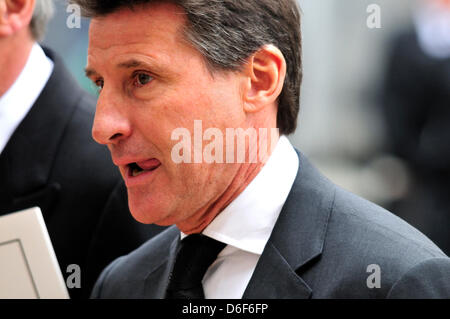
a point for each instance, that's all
(125, 277)
(362, 237)
(371, 222)
(427, 280)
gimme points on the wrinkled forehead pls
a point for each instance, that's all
(152, 21)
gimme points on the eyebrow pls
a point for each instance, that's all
(90, 72)
(129, 64)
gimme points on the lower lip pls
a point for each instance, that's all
(140, 179)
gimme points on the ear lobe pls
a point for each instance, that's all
(15, 15)
(5, 30)
(266, 72)
(12, 25)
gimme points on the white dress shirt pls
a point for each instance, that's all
(246, 224)
(20, 97)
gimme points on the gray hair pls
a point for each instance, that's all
(43, 11)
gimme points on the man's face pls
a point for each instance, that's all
(154, 82)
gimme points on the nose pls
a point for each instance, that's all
(111, 124)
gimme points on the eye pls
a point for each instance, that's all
(99, 84)
(142, 79)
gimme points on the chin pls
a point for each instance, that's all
(141, 213)
(150, 214)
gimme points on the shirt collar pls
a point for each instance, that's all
(20, 97)
(249, 220)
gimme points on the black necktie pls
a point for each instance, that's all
(195, 254)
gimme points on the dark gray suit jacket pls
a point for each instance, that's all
(321, 246)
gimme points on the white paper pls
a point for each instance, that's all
(28, 265)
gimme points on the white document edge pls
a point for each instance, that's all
(28, 227)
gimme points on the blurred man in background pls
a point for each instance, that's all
(416, 109)
(47, 156)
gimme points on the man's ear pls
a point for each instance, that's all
(15, 15)
(264, 78)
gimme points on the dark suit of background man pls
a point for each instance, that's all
(416, 109)
(275, 229)
(47, 155)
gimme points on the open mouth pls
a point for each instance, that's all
(136, 169)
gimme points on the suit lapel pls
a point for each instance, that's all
(27, 160)
(157, 280)
(297, 239)
(274, 278)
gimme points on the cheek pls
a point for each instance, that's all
(217, 105)
(191, 184)
(210, 102)
(202, 182)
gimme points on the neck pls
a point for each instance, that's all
(15, 52)
(243, 176)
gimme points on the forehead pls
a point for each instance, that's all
(159, 25)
